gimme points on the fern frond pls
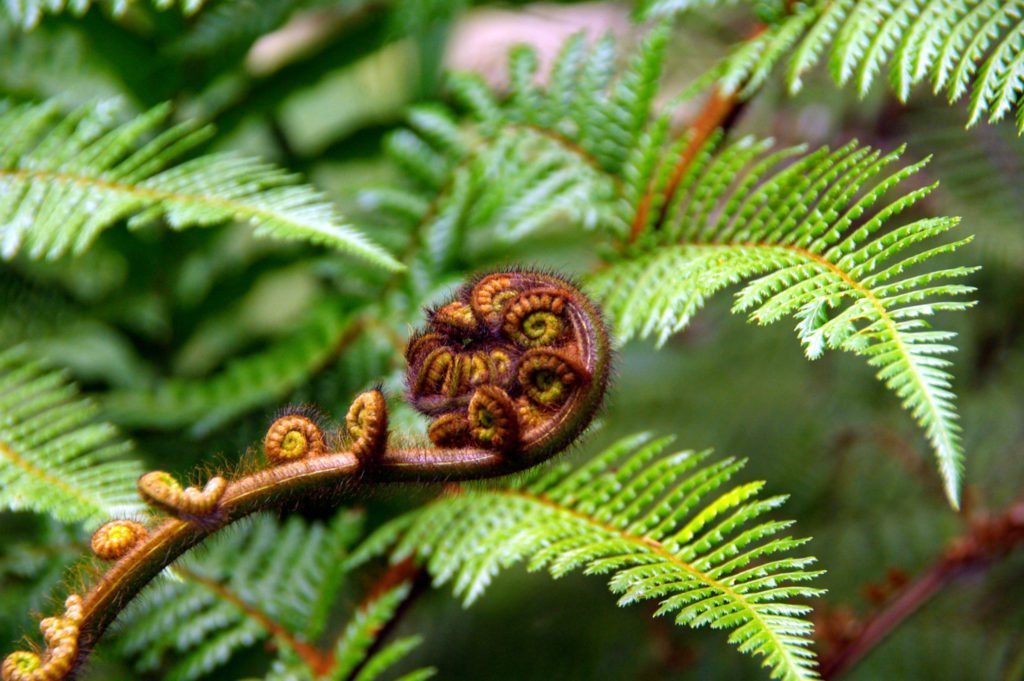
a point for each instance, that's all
(362, 631)
(261, 378)
(733, 215)
(649, 522)
(559, 152)
(28, 13)
(260, 580)
(55, 457)
(353, 647)
(811, 244)
(961, 46)
(65, 178)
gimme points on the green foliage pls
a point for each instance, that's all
(219, 601)
(594, 155)
(640, 518)
(67, 177)
(806, 234)
(559, 151)
(55, 456)
(261, 378)
(961, 46)
(361, 633)
(28, 13)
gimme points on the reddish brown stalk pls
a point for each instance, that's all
(988, 540)
(314, 658)
(406, 571)
(719, 112)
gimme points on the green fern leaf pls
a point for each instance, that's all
(63, 179)
(560, 151)
(261, 378)
(804, 238)
(361, 632)
(258, 580)
(647, 521)
(738, 213)
(962, 46)
(28, 13)
(55, 457)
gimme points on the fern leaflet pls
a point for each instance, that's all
(805, 234)
(28, 13)
(65, 178)
(638, 517)
(961, 46)
(55, 457)
(263, 579)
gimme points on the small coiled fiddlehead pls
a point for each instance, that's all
(512, 370)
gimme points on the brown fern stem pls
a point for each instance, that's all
(514, 369)
(720, 111)
(312, 656)
(988, 540)
(403, 572)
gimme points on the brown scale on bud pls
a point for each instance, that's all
(501, 366)
(457, 381)
(548, 377)
(61, 636)
(367, 425)
(161, 490)
(536, 318)
(457, 316)
(434, 375)
(292, 437)
(115, 539)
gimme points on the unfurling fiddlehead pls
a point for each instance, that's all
(512, 370)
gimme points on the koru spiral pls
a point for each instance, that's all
(512, 370)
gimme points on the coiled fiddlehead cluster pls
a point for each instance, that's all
(504, 366)
(512, 370)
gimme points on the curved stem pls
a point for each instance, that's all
(496, 414)
(265, 489)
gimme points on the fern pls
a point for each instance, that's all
(256, 581)
(361, 633)
(559, 151)
(638, 517)
(609, 165)
(961, 46)
(54, 456)
(806, 235)
(63, 179)
(258, 379)
(28, 13)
